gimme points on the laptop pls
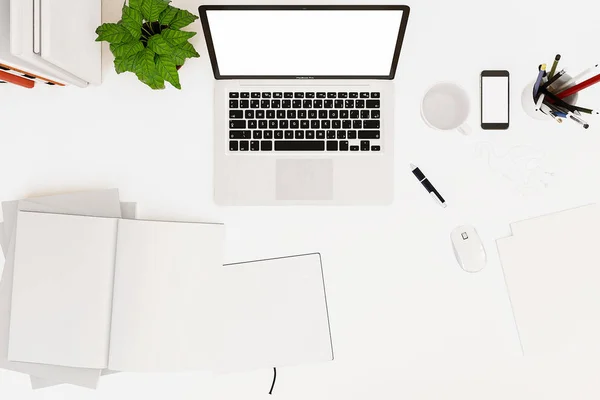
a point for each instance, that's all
(304, 102)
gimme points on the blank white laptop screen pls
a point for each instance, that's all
(305, 42)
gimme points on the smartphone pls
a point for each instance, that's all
(495, 103)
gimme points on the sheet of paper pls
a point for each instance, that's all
(552, 278)
(273, 313)
(101, 203)
(164, 295)
(553, 221)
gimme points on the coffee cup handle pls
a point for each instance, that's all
(464, 129)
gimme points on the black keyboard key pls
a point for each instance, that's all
(256, 134)
(291, 114)
(266, 145)
(344, 145)
(254, 103)
(301, 113)
(320, 134)
(370, 134)
(310, 134)
(234, 95)
(341, 134)
(299, 145)
(298, 95)
(321, 95)
(374, 113)
(312, 114)
(364, 114)
(271, 114)
(304, 124)
(346, 124)
(333, 114)
(375, 95)
(265, 104)
(310, 95)
(354, 114)
(288, 95)
(338, 103)
(348, 103)
(364, 95)
(342, 95)
(318, 104)
(289, 134)
(252, 124)
(266, 95)
(353, 95)
(336, 124)
(286, 104)
(365, 145)
(331, 95)
(344, 114)
(233, 103)
(352, 134)
(307, 104)
(234, 114)
(260, 114)
(330, 134)
(294, 124)
(284, 124)
(280, 114)
(255, 95)
(278, 134)
(233, 145)
(239, 134)
(372, 103)
(249, 114)
(254, 145)
(375, 148)
(372, 124)
(277, 95)
(299, 134)
(315, 124)
(268, 134)
(297, 103)
(237, 124)
(353, 148)
(332, 145)
(357, 124)
(322, 114)
(244, 103)
(245, 95)
(244, 145)
(275, 103)
(262, 124)
(273, 124)
(326, 124)
(360, 104)
(328, 103)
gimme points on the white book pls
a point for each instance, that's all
(154, 319)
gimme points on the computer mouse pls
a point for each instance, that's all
(468, 248)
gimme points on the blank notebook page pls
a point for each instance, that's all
(164, 296)
(62, 290)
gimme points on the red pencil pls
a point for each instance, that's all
(574, 89)
(17, 80)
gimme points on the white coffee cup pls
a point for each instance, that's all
(446, 106)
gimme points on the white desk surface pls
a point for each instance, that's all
(407, 322)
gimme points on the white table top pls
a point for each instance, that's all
(407, 322)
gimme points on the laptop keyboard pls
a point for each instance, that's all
(304, 121)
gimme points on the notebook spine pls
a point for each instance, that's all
(27, 75)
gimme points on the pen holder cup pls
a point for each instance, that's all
(528, 101)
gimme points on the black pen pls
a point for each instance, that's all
(428, 186)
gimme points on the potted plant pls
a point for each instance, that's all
(149, 42)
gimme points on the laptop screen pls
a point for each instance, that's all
(309, 42)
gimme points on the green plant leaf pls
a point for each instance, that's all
(152, 9)
(168, 15)
(146, 71)
(175, 38)
(124, 64)
(113, 33)
(154, 80)
(182, 19)
(125, 50)
(159, 45)
(132, 20)
(183, 51)
(167, 69)
(136, 4)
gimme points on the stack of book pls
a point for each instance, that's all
(88, 289)
(50, 42)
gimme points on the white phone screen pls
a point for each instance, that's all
(494, 100)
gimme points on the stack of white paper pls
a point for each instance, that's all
(552, 270)
(86, 292)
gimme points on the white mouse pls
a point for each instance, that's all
(468, 248)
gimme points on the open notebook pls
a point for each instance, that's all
(138, 305)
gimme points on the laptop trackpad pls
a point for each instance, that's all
(304, 179)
